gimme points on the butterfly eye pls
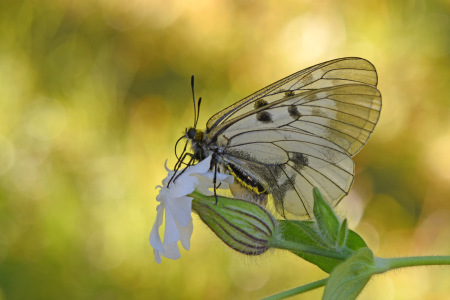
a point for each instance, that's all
(190, 133)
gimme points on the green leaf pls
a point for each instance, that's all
(327, 221)
(325, 233)
(343, 233)
(349, 278)
(305, 233)
(354, 241)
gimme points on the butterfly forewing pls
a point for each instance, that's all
(350, 70)
(345, 115)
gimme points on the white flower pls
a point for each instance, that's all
(175, 205)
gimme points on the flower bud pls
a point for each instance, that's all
(242, 225)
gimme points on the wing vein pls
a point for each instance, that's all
(298, 172)
(295, 189)
(328, 127)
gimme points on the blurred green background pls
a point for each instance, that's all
(94, 94)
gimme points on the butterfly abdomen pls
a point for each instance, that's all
(245, 179)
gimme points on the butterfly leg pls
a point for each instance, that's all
(215, 180)
(214, 161)
(178, 165)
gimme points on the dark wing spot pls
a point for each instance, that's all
(289, 94)
(260, 103)
(300, 160)
(293, 112)
(264, 116)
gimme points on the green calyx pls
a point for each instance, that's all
(242, 225)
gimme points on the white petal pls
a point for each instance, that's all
(157, 256)
(163, 195)
(171, 233)
(175, 206)
(203, 188)
(224, 178)
(169, 176)
(180, 209)
(155, 239)
(171, 251)
(183, 186)
(190, 182)
(205, 182)
(186, 234)
(201, 167)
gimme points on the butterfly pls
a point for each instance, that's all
(295, 134)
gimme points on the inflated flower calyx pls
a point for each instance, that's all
(242, 225)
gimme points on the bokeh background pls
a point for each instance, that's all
(94, 94)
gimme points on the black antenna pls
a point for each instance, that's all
(184, 154)
(198, 111)
(193, 99)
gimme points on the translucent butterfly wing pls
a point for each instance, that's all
(345, 115)
(289, 163)
(308, 141)
(349, 70)
(305, 135)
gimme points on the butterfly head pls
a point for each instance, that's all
(194, 135)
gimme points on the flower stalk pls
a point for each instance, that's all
(414, 261)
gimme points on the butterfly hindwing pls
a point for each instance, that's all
(289, 164)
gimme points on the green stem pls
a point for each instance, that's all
(402, 262)
(383, 265)
(292, 246)
(298, 290)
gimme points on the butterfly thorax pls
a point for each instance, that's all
(197, 139)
